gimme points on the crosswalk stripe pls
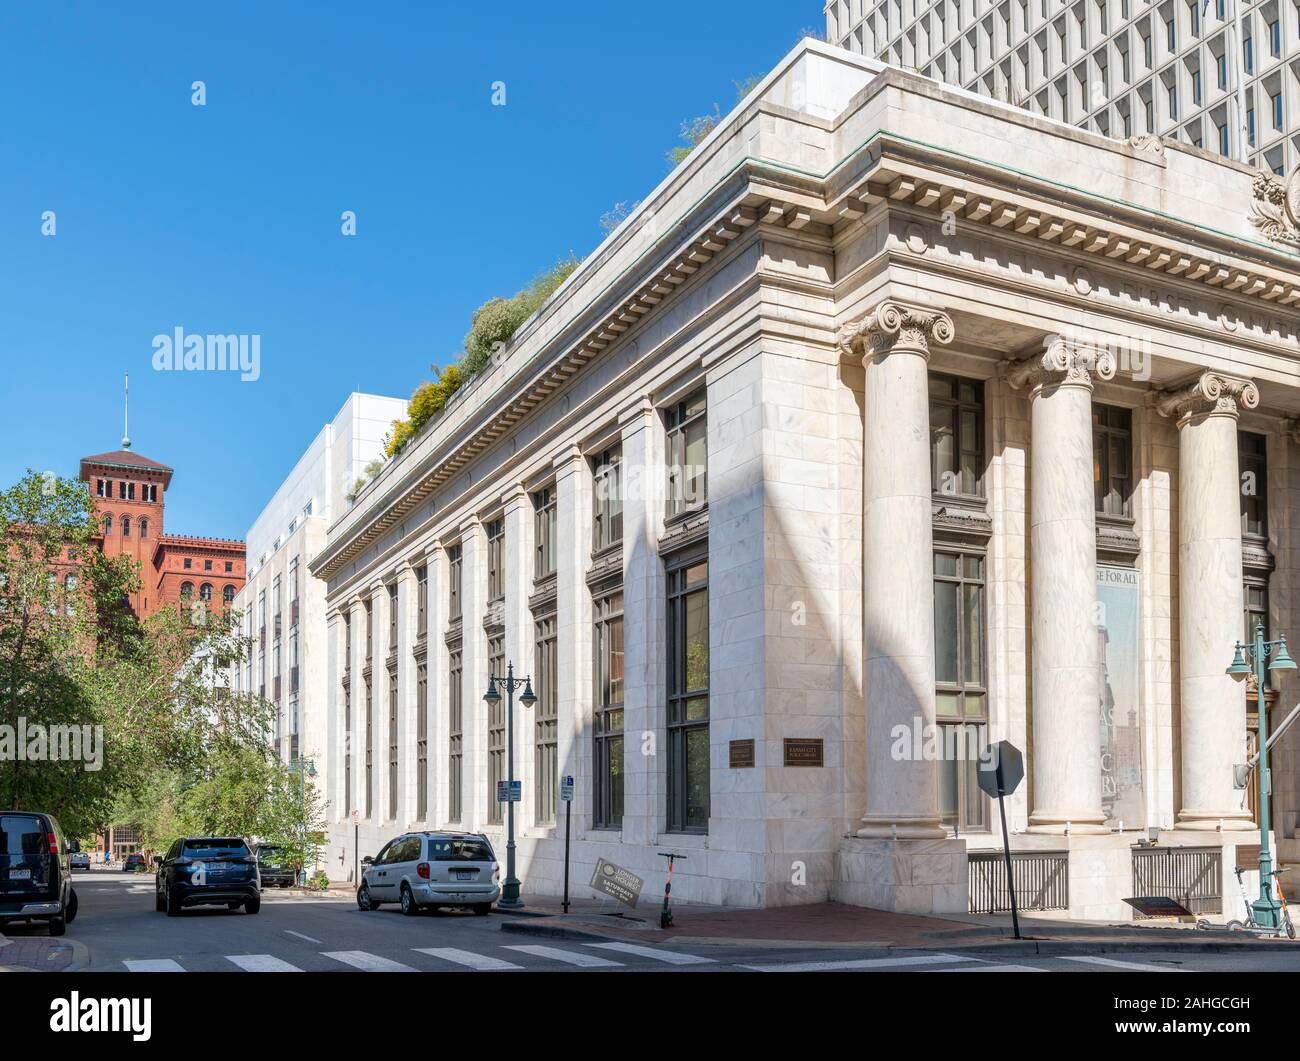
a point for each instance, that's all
(1115, 963)
(482, 962)
(262, 963)
(368, 963)
(861, 963)
(992, 969)
(585, 961)
(672, 957)
(153, 965)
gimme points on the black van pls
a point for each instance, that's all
(35, 879)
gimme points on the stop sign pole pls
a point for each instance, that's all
(1000, 775)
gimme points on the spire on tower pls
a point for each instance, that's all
(126, 410)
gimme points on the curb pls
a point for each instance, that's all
(80, 956)
(1049, 947)
(529, 928)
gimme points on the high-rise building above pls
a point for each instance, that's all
(1221, 75)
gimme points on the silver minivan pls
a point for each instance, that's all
(429, 870)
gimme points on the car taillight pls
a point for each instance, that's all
(496, 875)
(423, 870)
(54, 844)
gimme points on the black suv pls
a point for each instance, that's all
(35, 879)
(271, 864)
(207, 870)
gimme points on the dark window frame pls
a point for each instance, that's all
(608, 717)
(545, 528)
(607, 498)
(680, 420)
(962, 405)
(684, 587)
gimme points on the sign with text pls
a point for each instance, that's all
(566, 789)
(509, 791)
(741, 754)
(1118, 614)
(804, 751)
(616, 882)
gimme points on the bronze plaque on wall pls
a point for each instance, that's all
(804, 751)
(742, 754)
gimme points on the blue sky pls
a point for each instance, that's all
(225, 218)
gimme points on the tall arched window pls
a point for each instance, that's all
(108, 526)
(205, 591)
(126, 526)
(228, 595)
(144, 527)
(187, 590)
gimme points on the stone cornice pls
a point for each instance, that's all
(895, 328)
(1210, 394)
(1064, 362)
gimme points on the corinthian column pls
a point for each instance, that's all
(1063, 554)
(898, 562)
(1209, 596)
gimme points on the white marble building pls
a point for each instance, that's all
(892, 410)
(283, 606)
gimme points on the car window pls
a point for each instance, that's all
(411, 850)
(458, 849)
(384, 851)
(217, 847)
(22, 834)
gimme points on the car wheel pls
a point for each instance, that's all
(409, 906)
(482, 909)
(252, 906)
(159, 903)
(173, 903)
(58, 926)
(71, 912)
(363, 898)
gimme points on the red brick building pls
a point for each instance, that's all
(130, 498)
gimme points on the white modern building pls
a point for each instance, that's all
(283, 606)
(1219, 74)
(895, 421)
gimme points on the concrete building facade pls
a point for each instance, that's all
(1223, 75)
(864, 442)
(282, 606)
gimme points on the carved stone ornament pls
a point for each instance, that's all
(1211, 393)
(1275, 210)
(895, 326)
(1063, 362)
(1148, 143)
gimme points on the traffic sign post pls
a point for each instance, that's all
(1000, 777)
(566, 794)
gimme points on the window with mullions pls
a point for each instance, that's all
(607, 812)
(1112, 460)
(961, 690)
(370, 745)
(546, 727)
(421, 601)
(392, 744)
(1252, 467)
(455, 733)
(422, 741)
(455, 570)
(1255, 596)
(688, 454)
(496, 541)
(544, 520)
(957, 436)
(496, 733)
(347, 745)
(608, 495)
(392, 618)
(688, 698)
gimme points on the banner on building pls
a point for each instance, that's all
(1118, 601)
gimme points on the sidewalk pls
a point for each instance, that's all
(40, 954)
(822, 925)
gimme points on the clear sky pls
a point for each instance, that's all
(225, 218)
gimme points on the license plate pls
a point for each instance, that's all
(20, 874)
(466, 874)
(218, 867)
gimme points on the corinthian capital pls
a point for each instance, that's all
(1066, 362)
(896, 327)
(1210, 394)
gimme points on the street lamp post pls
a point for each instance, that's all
(1267, 908)
(510, 889)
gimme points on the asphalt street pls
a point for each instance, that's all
(121, 930)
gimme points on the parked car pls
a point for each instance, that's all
(271, 864)
(35, 877)
(133, 863)
(432, 869)
(79, 860)
(205, 871)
